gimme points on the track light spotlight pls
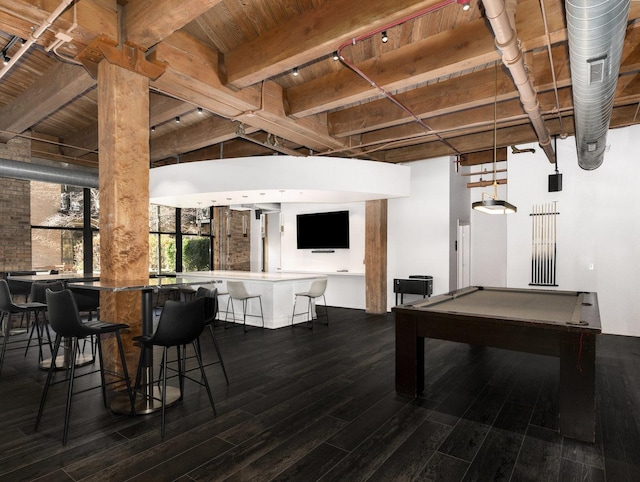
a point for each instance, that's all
(385, 37)
(5, 59)
(336, 57)
(199, 110)
(295, 71)
(177, 120)
(153, 128)
(466, 4)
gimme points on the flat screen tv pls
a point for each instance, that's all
(323, 230)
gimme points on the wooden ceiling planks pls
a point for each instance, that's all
(312, 109)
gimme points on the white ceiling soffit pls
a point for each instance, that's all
(276, 179)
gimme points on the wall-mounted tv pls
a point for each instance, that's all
(323, 230)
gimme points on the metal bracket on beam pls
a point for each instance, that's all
(128, 56)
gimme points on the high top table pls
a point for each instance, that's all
(151, 401)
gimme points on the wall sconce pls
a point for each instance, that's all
(281, 220)
(244, 225)
(263, 230)
(228, 222)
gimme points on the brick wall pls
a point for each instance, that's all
(233, 247)
(15, 211)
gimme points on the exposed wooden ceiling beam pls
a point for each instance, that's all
(467, 92)
(212, 130)
(229, 149)
(58, 86)
(461, 49)
(92, 18)
(311, 35)
(147, 23)
(311, 131)
(453, 95)
(162, 109)
(192, 74)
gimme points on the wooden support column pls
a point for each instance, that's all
(123, 138)
(375, 256)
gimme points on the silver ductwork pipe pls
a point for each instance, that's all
(596, 31)
(501, 16)
(40, 172)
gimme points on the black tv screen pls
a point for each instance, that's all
(323, 230)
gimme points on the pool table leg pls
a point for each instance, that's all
(409, 358)
(577, 386)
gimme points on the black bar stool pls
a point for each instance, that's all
(64, 318)
(40, 324)
(8, 308)
(211, 313)
(180, 324)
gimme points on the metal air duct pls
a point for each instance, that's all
(596, 31)
(40, 172)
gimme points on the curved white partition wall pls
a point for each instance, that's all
(276, 179)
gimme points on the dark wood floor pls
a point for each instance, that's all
(320, 405)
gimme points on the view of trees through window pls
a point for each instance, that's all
(57, 222)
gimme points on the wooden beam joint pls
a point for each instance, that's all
(128, 56)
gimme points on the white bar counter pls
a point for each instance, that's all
(277, 291)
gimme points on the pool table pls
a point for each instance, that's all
(563, 324)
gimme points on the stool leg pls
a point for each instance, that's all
(182, 363)
(244, 314)
(164, 389)
(54, 354)
(203, 374)
(33, 327)
(293, 313)
(139, 370)
(125, 372)
(224, 370)
(67, 415)
(5, 321)
(102, 380)
(226, 313)
(261, 312)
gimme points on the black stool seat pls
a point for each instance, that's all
(40, 324)
(64, 318)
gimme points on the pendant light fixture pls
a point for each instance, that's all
(490, 204)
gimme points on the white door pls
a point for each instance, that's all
(463, 255)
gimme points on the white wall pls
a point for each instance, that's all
(350, 260)
(598, 224)
(418, 228)
(418, 238)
